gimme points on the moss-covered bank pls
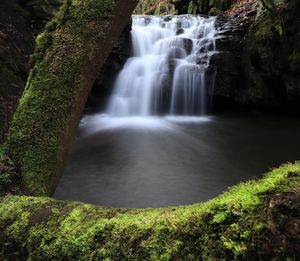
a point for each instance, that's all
(253, 220)
(68, 56)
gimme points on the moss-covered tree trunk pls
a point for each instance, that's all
(68, 57)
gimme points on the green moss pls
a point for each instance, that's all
(155, 7)
(9, 178)
(210, 7)
(33, 141)
(214, 11)
(227, 227)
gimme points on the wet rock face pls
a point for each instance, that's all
(271, 58)
(226, 62)
(103, 86)
(257, 64)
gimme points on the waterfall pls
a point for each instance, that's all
(167, 73)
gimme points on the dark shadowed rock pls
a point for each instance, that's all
(19, 25)
(44, 9)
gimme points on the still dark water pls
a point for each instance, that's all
(152, 162)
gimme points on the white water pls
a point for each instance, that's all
(167, 73)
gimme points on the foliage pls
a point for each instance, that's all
(211, 7)
(155, 7)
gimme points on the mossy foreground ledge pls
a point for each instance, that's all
(253, 220)
(68, 56)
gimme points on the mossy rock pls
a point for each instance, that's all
(239, 225)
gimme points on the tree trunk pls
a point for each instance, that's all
(68, 56)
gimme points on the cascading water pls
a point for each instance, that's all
(126, 160)
(167, 73)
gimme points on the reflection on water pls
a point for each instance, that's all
(154, 162)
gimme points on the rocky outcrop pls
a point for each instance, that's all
(232, 28)
(271, 59)
(258, 65)
(104, 83)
